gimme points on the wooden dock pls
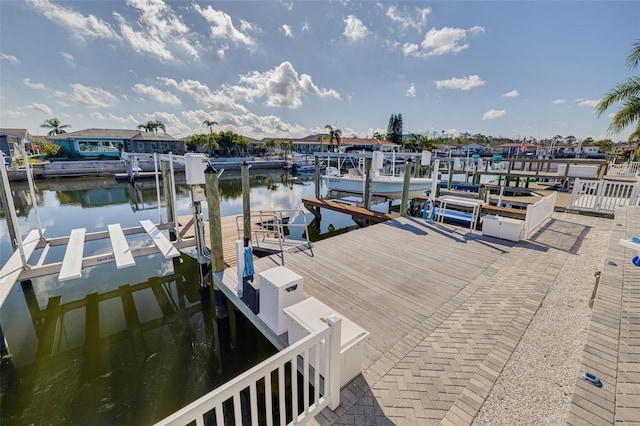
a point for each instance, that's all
(357, 213)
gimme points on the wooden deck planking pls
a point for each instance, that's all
(121, 250)
(72, 262)
(353, 211)
(393, 281)
(160, 240)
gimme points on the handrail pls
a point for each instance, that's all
(273, 223)
(307, 351)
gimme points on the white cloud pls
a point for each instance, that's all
(161, 30)
(128, 120)
(286, 29)
(411, 91)
(406, 20)
(13, 113)
(156, 94)
(10, 58)
(69, 58)
(558, 101)
(465, 83)
(27, 82)
(281, 87)
(97, 116)
(202, 94)
(249, 27)
(493, 114)
(222, 50)
(40, 108)
(590, 103)
(305, 28)
(441, 42)
(80, 26)
(223, 26)
(173, 124)
(91, 97)
(354, 29)
(511, 94)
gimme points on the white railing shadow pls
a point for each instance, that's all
(238, 402)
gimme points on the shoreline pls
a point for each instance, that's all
(68, 169)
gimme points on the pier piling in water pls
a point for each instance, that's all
(405, 188)
(246, 203)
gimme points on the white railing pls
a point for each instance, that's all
(238, 402)
(631, 168)
(603, 196)
(538, 213)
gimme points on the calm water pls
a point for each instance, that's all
(126, 346)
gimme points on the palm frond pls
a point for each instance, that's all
(626, 115)
(634, 57)
(622, 91)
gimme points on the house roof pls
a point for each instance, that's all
(114, 133)
(23, 133)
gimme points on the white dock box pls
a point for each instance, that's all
(279, 288)
(309, 316)
(503, 227)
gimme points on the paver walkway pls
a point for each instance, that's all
(612, 350)
(443, 370)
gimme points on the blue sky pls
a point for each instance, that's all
(286, 69)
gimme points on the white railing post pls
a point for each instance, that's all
(599, 196)
(576, 189)
(335, 322)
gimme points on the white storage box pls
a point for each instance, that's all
(502, 227)
(309, 316)
(279, 288)
(194, 165)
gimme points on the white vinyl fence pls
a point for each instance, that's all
(627, 169)
(603, 196)
(538, 213)
(250, 397)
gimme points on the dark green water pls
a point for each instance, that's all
(130, 346)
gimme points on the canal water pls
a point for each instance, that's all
(126, 346)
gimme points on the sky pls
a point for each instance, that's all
(287, 68)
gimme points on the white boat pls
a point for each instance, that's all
(381, 185)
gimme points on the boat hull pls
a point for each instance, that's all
(384, 186)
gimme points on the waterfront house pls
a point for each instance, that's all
(10, 138)
(111, 142)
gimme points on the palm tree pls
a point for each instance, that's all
(269, 144)
(628, 93)
(210, 124)
(333, 134)
(159, 125)
(321, 139)
(153, 126)
(55, 125)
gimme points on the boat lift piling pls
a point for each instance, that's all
(405, 187)
(215, 235)
(168, 197)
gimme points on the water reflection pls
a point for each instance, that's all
(127, 346)
(130, 355)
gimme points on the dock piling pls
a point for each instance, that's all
(405, 188)
(246, 203)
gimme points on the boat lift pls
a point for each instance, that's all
(18, 267)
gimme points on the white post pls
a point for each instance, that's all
(12, 209)
(335, 322)
(32, 192)
(155, 168)
(434, 180)
(501, 194)
(601, 185)
(176, 224)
